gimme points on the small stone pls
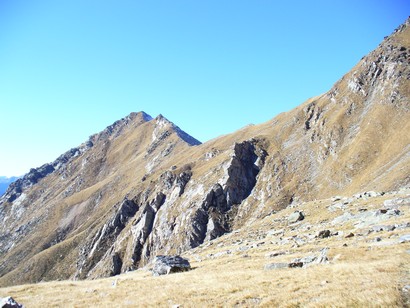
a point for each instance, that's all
(393, 212)
(336, 198)
(324, 234)
(404, 238)
(272, 266)
(349, 235)
(295, 264)
(324, 282)
(403, 226)
(371, 194)
(296, 216)
(377, 228)
(377, 239)
(275, 254)
(344, 245)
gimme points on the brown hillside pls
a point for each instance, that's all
(142, 187)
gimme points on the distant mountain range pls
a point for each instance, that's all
(5, 182)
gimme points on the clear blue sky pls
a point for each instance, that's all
(70, 68)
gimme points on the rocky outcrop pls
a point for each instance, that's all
(135, 220)
(103, 240)
(164, 265)
(216, 215)
(105, 253)
(9, 302)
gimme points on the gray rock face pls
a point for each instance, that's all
(9, 302)
(214, 218)
(296, 216)
(104, 255)
(164, 265)
(243, 171)
(103, 240)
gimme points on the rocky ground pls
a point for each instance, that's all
(344, 251)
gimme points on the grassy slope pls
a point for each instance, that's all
(365, 273)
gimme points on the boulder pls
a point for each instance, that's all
(164, 265)
(296, 216)
(404, 238)
(9, 302)
(324, 234)
(320, 258)
(275, 254)
(272, 266)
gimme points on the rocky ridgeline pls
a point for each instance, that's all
(60, 164)
(36, 174)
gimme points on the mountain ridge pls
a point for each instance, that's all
(5, 181)
(139, 189)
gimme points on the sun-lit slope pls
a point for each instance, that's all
(352, 138)
(140, 188)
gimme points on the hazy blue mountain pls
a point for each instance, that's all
(5, 182)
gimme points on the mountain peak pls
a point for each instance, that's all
(162, 122)
(143, 115)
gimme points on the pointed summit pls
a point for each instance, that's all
(162, 122)
(141, 115)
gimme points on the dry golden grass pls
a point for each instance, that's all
(363, 274)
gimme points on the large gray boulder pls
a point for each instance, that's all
(164, 265)
(9, 302)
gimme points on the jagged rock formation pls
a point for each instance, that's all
(143, 187)
(9, 302)
(5, 183)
